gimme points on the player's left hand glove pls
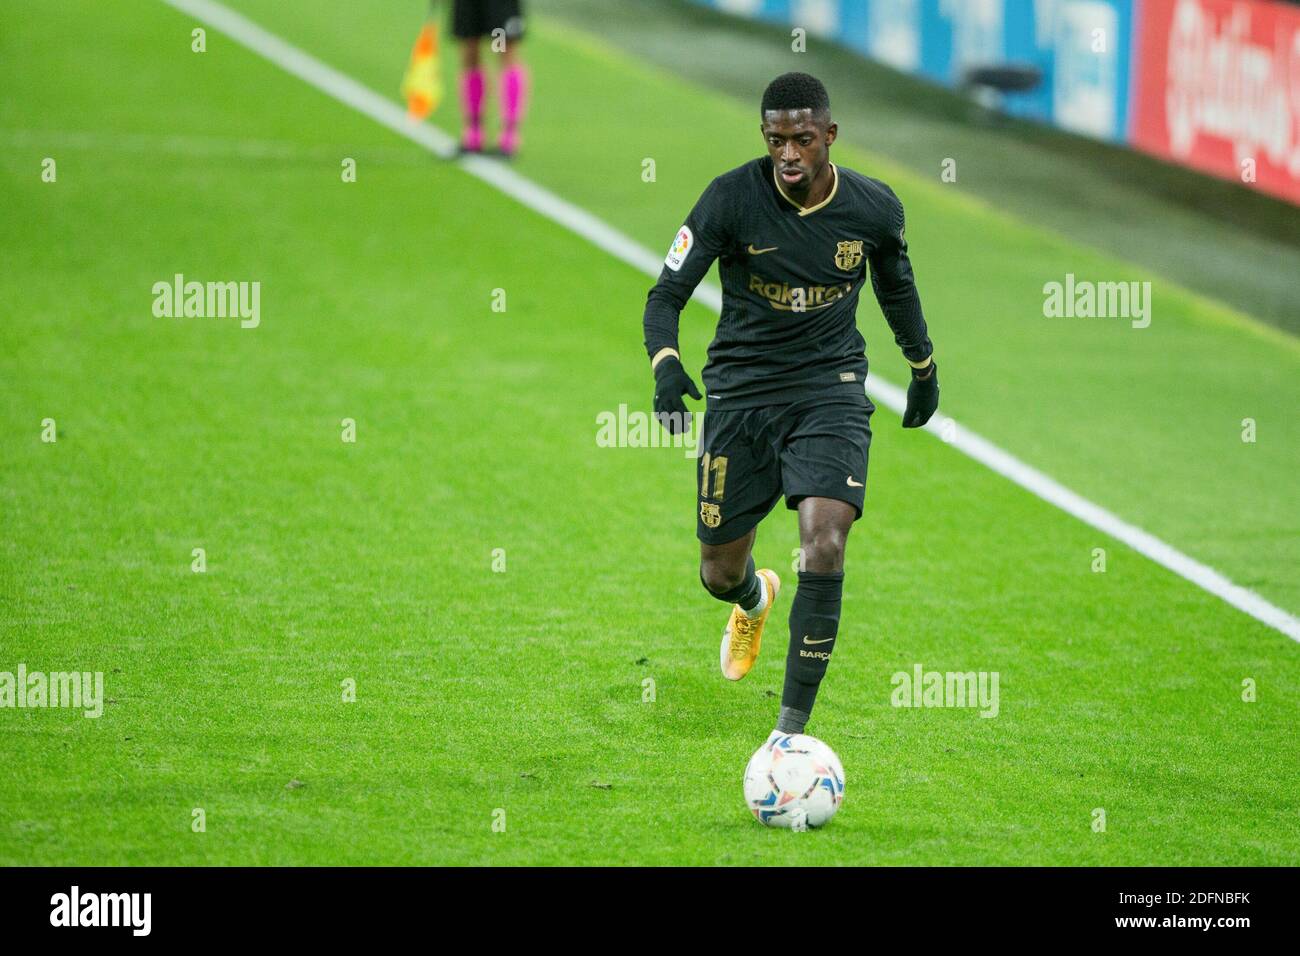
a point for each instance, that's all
(922, 396)
(671, 383)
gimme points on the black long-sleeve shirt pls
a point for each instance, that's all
(790, 284)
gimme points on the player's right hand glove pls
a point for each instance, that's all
(671, 383)
(922, 397)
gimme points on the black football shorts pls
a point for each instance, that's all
(751, 456)
(478, 18)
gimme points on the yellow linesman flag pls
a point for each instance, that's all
(422, 87)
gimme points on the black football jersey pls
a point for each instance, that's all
(790, 284)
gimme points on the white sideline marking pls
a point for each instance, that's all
(388, 113)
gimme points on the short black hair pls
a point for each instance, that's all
(796, 91)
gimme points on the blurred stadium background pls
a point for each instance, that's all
(500, 587)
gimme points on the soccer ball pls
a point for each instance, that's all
(794, 781)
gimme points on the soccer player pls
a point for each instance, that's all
(796, 237)
(471, 21)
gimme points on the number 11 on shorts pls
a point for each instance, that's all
(719, 466)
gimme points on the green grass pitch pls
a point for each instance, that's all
(478, 689)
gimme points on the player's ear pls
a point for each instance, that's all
(831, 131)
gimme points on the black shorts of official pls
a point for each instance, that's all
(478, 18)
(751, 456)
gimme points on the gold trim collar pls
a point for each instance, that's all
(810, 209)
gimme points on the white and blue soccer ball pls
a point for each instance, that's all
(794, 781)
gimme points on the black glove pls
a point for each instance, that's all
(922, 396)
(671, 383)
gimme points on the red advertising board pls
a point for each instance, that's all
(1216, 86)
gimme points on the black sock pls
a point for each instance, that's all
(814, 621)
(746, 593)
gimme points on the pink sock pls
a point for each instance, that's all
(514, 102)
(473, 87)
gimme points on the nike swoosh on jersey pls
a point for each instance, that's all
(758, 252)
(852, 483)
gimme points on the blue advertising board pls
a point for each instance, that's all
(1082, 48)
